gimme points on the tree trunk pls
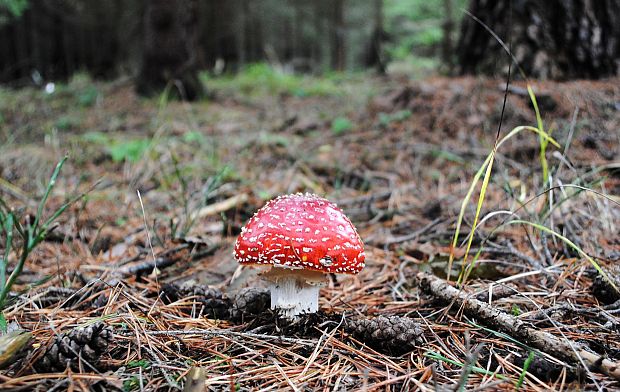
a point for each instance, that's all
(374, 54)
(170, 57)
(446, 44)
(338, 32)
(557, 39)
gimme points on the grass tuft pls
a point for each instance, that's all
(485, 169)
(31, 234)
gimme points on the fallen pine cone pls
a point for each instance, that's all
(393, 334)
(602, 288)
(86, 344)
(250, 302)
(211, 302)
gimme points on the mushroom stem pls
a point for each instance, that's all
(294, 292)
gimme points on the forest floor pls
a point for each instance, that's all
(176, 181)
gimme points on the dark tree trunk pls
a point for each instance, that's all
(338, 32)
(170, 57)
(374, 54)
(556, 39)
(447, 54)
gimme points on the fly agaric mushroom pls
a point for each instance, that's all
(300, 238)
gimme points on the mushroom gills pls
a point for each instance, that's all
(294, 291)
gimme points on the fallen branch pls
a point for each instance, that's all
(165, 259)
(561, 348)
(222, 206)
(233, 334)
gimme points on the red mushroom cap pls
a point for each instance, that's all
(301, 231)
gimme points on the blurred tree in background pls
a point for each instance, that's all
(167, 43)
(170, 54)
(556, 39)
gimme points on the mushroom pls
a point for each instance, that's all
(299, 238)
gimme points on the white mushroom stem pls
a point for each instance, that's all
(294, 291)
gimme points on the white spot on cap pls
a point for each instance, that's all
(326, 261)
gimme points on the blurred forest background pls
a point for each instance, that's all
(160, 40)
(57, 38)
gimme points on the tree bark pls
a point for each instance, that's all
(338, 32)
(170, 57)
(448, 27)
(374, 55)
(557, 39)
(574, 352)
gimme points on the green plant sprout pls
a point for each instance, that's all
(31, 234)
(475, 369)
(341, 125)
(526, 365)
(486, 168)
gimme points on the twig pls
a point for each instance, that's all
(165, 259)
(413, 235)
(221, 206)
(235, 334)
(495, 317)
(509, 249)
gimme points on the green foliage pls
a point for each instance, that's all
(262, 78)
(131, 384)
(14, 7)
(486, 168)
(544, 229)
(341, 125)
(194, 137)
(542, 142)
(526, 365)
(119, 149)
(65, 123)
(386, 119)
(143, 363)
(130, 150)
(88, 96)
(30, 233)
(416, 26)
(475, 369)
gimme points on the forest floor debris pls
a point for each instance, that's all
(400, 171)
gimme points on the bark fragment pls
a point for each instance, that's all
(573, 352)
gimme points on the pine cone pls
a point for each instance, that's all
(603, 290)
(250, 302)
(68, 349)
(393, 334)
(212, 303)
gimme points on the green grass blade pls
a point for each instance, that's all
(48, 191)
(476, 369)
(526, 365)
(483, 190)
(580, 189)
(4, 262)
(571, 244)
(13, 277)
(543, 142)
(459, 220)
(537, 131)
(505, 336)
(476, 178)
